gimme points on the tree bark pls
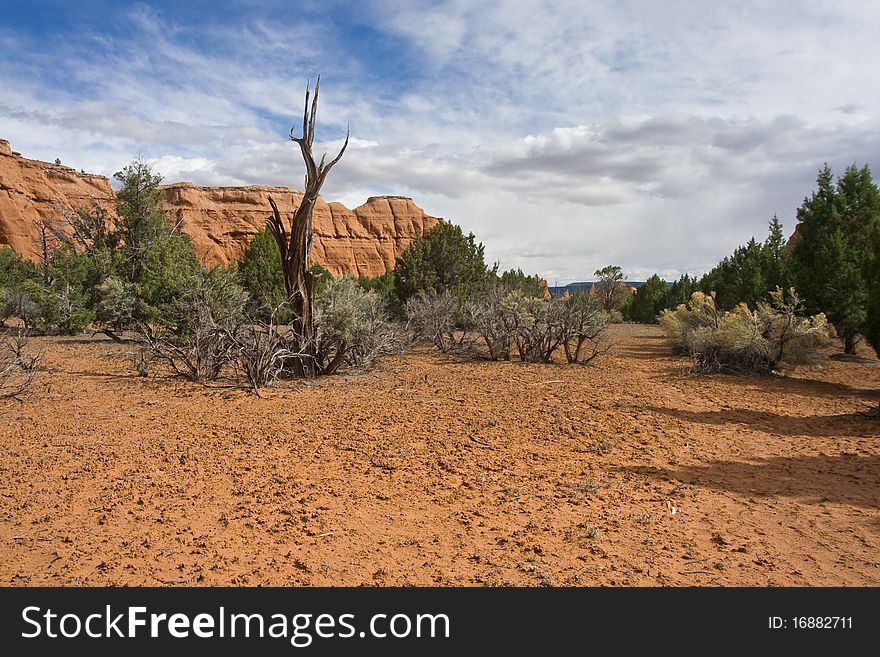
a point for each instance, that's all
(849, 342)
(295, 245)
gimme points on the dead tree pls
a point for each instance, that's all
(295, 244)
(48, 236)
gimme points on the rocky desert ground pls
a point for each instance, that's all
(431, 470)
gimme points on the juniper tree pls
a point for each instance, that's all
(831, 249)
(445, 259)
(141, 214)
(648, 301)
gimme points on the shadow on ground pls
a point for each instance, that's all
(843, 424)
(850, 479)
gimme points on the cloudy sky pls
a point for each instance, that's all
(567, 135)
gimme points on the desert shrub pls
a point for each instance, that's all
(197, 338)
(584, 329)
(199, 356)
(538, 327)
(263, 350)
(17, 370)
(615, 316)
(352, 327)
(22, 301)
(433, 316)
(503, 320)
(493, 320)
(747, 341)
(680, 323)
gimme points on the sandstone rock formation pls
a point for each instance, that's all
(220, 220)
(365, 241)
(31, 190)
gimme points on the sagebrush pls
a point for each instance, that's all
(503, 322)
(352, 327)
(17, 369)
(747, 341)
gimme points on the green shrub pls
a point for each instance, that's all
(831, 250)
(384, 286)
(14, 269)
(21, 288)
(169, 272)
(531, 286)
(142, 219)
(65, 301)
(261, 275)
(445, 259)
(648, 301)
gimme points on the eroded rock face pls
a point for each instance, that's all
(220, 220)
(31, 190)
(365, 241)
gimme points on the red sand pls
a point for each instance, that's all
(435, 471)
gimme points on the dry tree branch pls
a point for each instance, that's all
(17, 370)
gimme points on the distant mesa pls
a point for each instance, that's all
(587, 287)
(220, 220)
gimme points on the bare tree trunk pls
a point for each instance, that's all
(45, 256)
(296, 246)
(849, 341)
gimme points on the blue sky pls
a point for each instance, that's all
(566, 135)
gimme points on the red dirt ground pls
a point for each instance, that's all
(436, 471)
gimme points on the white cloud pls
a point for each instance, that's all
(566, 135)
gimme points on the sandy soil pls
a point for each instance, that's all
(435, 471)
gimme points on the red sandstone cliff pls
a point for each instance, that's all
(364, 241)
(220, 220)
(31, 190)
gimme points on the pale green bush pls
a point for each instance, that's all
(747, 341)
(352, 326)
